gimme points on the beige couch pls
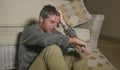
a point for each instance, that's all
(19, 13)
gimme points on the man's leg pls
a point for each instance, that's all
(69, 58)
(50, 58)
(80, 63)
(75, 60)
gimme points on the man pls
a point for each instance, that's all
(43, 48)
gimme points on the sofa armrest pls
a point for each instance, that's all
(94, 25)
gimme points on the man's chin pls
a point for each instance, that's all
(50, 31)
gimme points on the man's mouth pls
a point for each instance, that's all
(51, 29)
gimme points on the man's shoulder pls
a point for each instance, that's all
(32, 27)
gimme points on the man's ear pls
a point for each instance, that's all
(41, 19)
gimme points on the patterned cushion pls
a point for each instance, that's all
(97, 61)
(75, 13)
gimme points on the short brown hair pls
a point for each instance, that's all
(48, 10)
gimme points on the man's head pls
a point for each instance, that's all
(49, 18)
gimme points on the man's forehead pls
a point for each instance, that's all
(54, 17)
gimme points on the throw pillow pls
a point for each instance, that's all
(75, 12)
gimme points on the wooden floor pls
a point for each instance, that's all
(110, 47)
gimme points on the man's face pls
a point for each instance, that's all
(49, 24)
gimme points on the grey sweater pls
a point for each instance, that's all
(33, 41)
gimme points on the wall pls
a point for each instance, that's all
(111, 10)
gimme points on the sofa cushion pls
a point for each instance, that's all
(10, 35)
(97, 61)
(75, 13)
(83, 33)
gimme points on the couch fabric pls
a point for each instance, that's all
(97, 61)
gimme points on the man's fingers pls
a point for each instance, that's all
(84, 50)
(79, 48)
(87, 51)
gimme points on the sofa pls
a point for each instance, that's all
(86, 25)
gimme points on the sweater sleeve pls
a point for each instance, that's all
(32, 36)
(70, 32)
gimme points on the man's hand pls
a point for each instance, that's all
(82, 49)
(80, 44)
(62, 21)
(61, 15)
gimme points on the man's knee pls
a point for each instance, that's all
(52, 50)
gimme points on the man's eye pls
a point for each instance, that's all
(57, 25)
(52, 22)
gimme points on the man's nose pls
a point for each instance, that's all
(55, 25)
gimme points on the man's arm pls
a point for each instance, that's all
(73, 38)
(69, 31)
(33, 36)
